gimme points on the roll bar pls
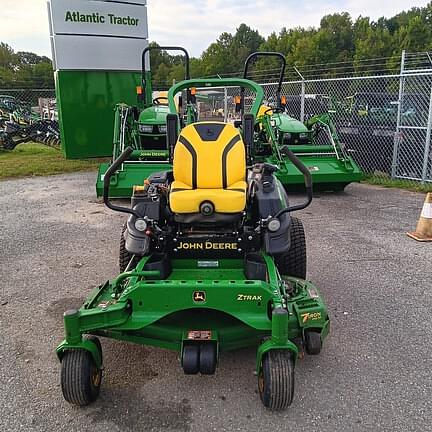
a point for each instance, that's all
(164, 48)
(282, 60)
(217, 82)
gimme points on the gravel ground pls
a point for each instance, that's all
(57, 242)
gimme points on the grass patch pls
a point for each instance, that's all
(31, 159)
(397, 183)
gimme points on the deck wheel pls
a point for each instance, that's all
(190, 359)
(313, 342)
(208, 359)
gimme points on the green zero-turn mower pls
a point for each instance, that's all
(315, 142)
(211, 260)
(142, 127)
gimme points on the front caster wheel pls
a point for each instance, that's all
(80, 377)
(208, 359)
(276, 380)
(190, 359)
(313, 342)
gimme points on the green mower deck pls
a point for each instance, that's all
(199, 305)
(328, 172)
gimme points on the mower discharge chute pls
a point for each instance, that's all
(143, 128)
(315, 142)
(211, 260)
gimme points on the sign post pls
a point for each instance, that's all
(96, 47)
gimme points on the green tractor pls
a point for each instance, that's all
(143, 128)
(211, 261)
(314, 142)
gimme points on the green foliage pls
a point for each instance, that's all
(24, 69)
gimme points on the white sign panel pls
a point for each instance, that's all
(98, 34)
(89, 17)
(98, 53)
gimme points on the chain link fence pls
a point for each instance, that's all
(28, 103)
(383, 121)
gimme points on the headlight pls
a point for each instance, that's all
(287, 136)
(303, 135)
(273, 225)
(145, 128)
(140, 224)
(162, 129)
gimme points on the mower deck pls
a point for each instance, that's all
(233, 310)
(328, 172)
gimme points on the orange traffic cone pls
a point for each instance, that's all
(423, 231)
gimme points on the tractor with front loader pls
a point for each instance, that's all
(315, 142)
(211, 259)
(143, 128)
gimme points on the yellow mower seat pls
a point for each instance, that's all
(209, 165)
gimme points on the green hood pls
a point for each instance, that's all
(285, 123)
(154, 115)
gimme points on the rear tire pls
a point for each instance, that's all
(276, 380)
(294, 262)
(80, 377)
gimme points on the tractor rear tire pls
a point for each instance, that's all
(124, 255)
(294, 262)
(80, 377)
(276, 380)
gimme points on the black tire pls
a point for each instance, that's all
(124, 255)
(80, 377)
(294, 262)
(190, 359)
(276, 380)
(207, 359)
(313, 342)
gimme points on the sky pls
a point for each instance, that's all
(194, 24)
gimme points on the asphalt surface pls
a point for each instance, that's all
(374, 373)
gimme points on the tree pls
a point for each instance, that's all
(8, 58)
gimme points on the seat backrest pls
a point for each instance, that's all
(209, 155)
